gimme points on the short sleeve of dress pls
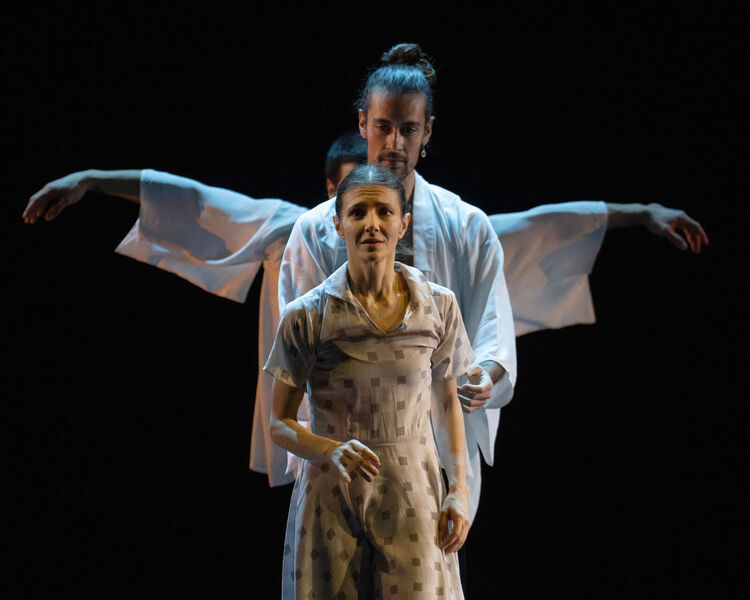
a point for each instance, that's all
(453, 354)
(293, 355)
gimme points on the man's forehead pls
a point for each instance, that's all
(385, 106)
(399, 121)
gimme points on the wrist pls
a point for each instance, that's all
(626, 215)
(89, 179)
(329, 447)
(459, 488)
(493, 369)
(646, 213)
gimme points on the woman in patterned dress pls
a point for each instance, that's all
(377, 348)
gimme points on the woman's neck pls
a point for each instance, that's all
(374, 281)
(381, 291)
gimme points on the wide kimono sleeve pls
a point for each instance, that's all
(293, 354)
(214, 238)
(453, 354)
(549, 253)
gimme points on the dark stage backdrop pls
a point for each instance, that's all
(129, 391)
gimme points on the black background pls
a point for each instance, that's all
(619, 468)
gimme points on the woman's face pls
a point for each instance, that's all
(371, 222)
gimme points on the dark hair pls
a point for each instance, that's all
(349, 147)
(368, 175)
(403, 69)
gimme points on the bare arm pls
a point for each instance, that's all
(347, 457)
(49, 202)
(659, 220)
(449, 433)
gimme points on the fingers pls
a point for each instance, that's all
(469, 405)
(342, 471)
(452, 538)
(443, 529)
(474, 396)
(366, 452)
(676, 239)
(37, 205)
(357, 462)
(45, 204)
(54, 210)
(475, 370)
(677, 226)
(476, 391)
(694, 236)
(702, 234)
(675, 222)
(355, 457)
(694, 233)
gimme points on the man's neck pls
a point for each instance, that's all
(408, 183)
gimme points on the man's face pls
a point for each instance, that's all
(395, 130)
(344, 170)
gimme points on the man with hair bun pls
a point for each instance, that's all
(451, 242)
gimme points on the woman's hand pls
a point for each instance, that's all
(453, 526)
(49, 202)
(354, 457)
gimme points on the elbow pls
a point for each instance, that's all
(276, 429)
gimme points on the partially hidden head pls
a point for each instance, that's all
(395, 109)
(371, 212)
(348, 151)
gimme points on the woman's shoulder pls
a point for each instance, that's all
(443, 298)
(428, 291)
(309, 303)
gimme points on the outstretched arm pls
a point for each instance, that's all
(57, 195)
(450, 437)
(660, 220)
(213, 237)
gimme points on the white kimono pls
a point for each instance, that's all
(454, 246)
(217, 239)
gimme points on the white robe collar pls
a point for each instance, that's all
(423, 225)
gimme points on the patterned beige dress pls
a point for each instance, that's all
(370, 539)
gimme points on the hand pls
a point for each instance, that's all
(354, 457)
(667, 222)
(474, 394)
(54, 197)
(453, 526)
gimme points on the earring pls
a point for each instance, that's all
(423, 153)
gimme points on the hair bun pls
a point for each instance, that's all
(409, 55)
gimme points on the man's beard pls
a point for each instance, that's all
(400, 168)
